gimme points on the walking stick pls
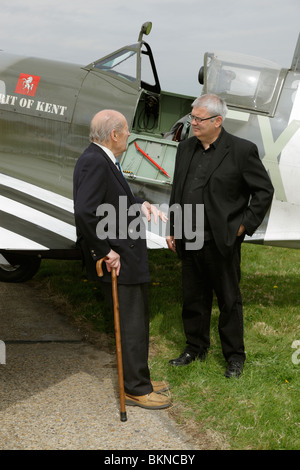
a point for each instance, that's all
(123, 416)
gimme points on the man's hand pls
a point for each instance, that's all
(149, 209)
(241, 230)
(112, 260)
(171, 243)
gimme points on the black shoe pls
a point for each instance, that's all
(234, 369)
(186, 358)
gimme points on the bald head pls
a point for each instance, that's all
(110, 129)
(103, 123)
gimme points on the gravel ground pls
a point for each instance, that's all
(59, 392)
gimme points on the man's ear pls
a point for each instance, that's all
(218, 121)
(114, 135)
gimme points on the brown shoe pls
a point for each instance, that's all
(160, 387)
(152, 401)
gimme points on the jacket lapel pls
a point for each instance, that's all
(185, 165)
(117, 173)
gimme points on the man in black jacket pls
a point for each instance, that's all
(105, 215)
(225, 174)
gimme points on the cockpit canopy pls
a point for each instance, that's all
(133, 64)
(244, 82)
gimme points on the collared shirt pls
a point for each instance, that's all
(108, 152)
(194, 183)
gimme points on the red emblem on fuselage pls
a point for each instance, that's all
(27, 84)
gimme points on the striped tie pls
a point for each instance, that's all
(119, 167)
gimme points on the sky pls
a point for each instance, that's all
(82, 31)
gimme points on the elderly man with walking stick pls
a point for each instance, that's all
(101, 193)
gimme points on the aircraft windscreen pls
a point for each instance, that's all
(243, 81)
(122, 63)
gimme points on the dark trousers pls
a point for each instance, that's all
(203, 272)
(134, 327)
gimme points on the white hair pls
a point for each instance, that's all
(104, 123)
(213, 103)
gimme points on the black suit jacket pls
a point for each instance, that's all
(97, 187)
(237, 188)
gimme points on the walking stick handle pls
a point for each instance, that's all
(99, 269)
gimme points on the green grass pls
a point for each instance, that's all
(260, 410)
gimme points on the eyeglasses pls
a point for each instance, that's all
(199, 119)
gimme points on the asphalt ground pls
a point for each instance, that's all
(60, 392)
